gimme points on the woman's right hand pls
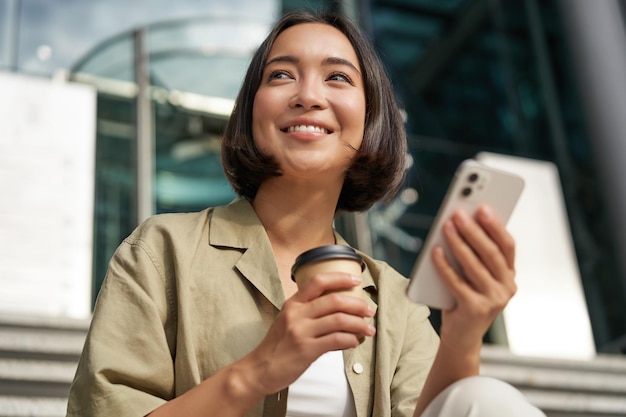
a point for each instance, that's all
(315, 320)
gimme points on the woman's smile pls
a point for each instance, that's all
(308, 129)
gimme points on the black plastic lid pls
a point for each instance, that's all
(326, 252)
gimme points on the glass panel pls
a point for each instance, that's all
(196, 67)
(6, 35)
(314, 5)
(471, 78)
(114, 215)
(69, 29)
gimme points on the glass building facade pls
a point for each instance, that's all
(471, 75)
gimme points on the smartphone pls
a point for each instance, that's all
(473, 185)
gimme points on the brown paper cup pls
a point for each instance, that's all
(331, 258)
(310, 269)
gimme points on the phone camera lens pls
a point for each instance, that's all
(472, 177)
(466, 191)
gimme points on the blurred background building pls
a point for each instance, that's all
(531, 83)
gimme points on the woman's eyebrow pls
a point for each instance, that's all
(290, 59)
(326, 62)
(340, 61)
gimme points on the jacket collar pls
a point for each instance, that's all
(237, 226)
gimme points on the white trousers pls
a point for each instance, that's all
(481, 396)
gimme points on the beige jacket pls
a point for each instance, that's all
(187, 294)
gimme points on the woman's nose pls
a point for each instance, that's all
(310, 95)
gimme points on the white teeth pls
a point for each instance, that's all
(308, 129)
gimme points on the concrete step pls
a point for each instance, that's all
(38, 358)
(38, 342)
(32, 407)
(49, 378)
(561, 388)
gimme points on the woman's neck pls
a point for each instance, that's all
(298, 218)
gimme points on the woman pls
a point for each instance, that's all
(198, 315)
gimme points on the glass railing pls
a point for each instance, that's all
(195, 68)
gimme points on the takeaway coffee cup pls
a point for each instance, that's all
(330, 258)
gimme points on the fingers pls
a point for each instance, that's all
(483, 247)
(459, 287)
(325, 283)
(484, 251)
(496, 230)
(312, 337)
(324, 306)
(474, 271)
(341, 323)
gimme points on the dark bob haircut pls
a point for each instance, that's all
(379, 165)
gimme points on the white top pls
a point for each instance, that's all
(322, 390)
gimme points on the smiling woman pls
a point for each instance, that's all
(199, 316)
(383, 148)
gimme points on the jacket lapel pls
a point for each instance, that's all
(237, 226)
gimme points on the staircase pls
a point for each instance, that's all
(38, 357)
(563, 388)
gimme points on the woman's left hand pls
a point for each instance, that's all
(485, 252)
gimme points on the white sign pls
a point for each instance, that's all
(548, 316)
(47, 149)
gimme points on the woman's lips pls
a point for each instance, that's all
(306, 129)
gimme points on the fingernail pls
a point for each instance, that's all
(356, 279)
(485, 213)
(371, 329)
(449, 226)
(461, 217)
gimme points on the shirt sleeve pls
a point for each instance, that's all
(416, 358)
(127, 366)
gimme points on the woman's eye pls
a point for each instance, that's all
(339, 76)
(278, 75)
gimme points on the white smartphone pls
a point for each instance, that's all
(473, 185)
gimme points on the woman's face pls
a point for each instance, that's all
(309, 110)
